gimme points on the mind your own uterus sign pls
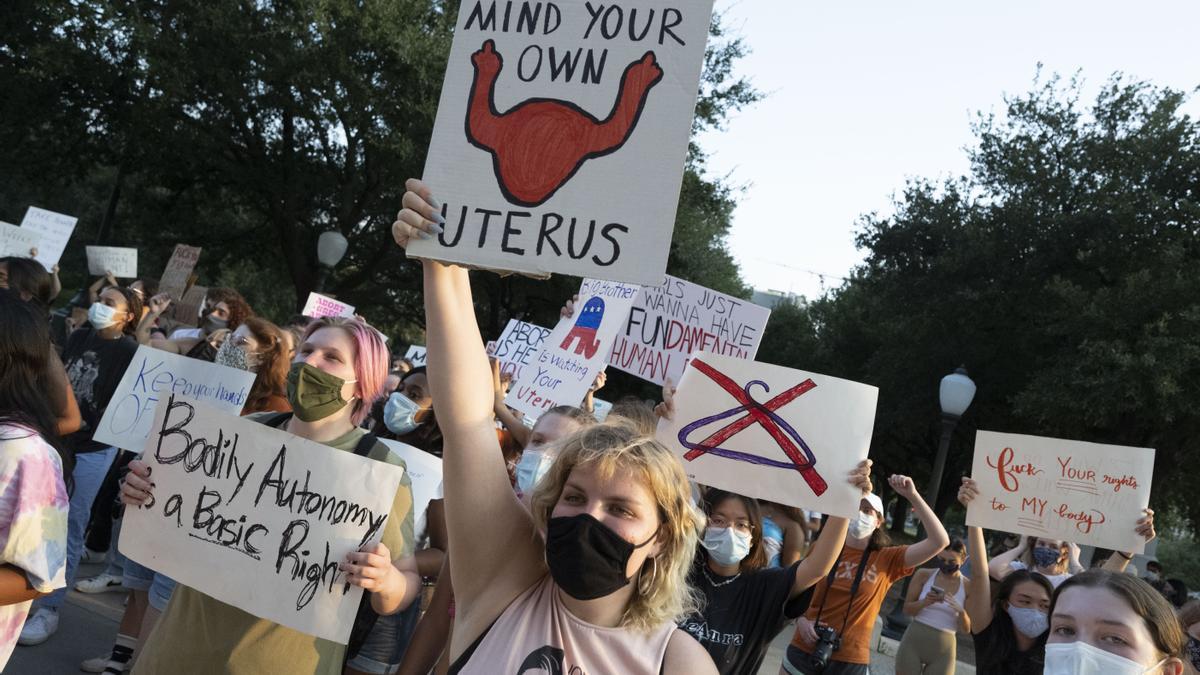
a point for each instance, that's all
(561, 135)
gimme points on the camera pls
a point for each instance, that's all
(828, 642)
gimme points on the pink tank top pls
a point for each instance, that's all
(536, 630)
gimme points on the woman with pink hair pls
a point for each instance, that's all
(337, 374)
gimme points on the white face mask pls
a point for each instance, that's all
(1081, 658)
(1029, 621)
(533, 465)
(862, 527)
(101, 316)
(726, 546)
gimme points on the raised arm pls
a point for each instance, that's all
(935, 539)
(1001, 565)
(497, 553)
(1118, 561)
(979, 586)
(828, 546)
(516, 428)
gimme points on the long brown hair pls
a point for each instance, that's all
(273, 364)
(756, 559)
(1156, 612)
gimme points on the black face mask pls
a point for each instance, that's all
(586, 558)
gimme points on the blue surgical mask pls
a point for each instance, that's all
(726, 546)
(101, 316)
(400, 414)
(1044, 556)
(1029, 621)
(533, 465)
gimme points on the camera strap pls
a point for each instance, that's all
(862, 565)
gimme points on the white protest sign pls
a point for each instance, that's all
(153, 375)
(518, 345)
(258, 518)
(415, 355)
(54, 229)
(122, 262)
(561, 135)
(770, 432)
(319, 306)
(179, 270)
(669, 322)
(425, 474)
(575, 351)
(1085, 493)
(17, 241)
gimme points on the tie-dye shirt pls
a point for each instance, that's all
(33, 522)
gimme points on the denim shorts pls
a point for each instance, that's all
(385, 645)
(158, 587)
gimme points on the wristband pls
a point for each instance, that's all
(1126, 557)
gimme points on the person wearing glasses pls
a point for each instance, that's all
(747, 602)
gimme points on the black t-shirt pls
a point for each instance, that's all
(740, 618)
(1017, 663)
(94, 367)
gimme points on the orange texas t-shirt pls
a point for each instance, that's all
(883, 568)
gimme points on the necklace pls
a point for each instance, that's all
(715, 584)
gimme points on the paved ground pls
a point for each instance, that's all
(89, 623)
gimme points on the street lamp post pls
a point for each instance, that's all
(954, 396)
(331, 248)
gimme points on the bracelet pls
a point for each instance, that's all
(1126, 557)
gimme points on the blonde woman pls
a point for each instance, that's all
(594, 578)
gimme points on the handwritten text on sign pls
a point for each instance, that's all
(1086, 493)
(179, 270)
(575, 351)
(319, 306)
(122, 262)
(669, 322)
(258, 518)
(517, 346)
(561, 133)
(54, 229)
(153, 375)
(770, 432)
(17, 241)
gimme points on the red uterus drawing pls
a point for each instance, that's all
(538, 144)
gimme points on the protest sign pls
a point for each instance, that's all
(561, 134)
(574, 352)
(258, 518)
(1085, 493)
(517, 346)
(425, 474)
(319, 306)
(669, 322)
(770, 432)
(54, 231)
(415, 355)
(186, 310)
(153, 375)
(17, 241)
(122, 262)
(179, 270)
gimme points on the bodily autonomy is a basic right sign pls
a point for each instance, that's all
(561, 134)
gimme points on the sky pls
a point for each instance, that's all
(864, 95)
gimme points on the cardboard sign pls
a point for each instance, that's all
(179, 270)
(122, 262)
(17, 241)
(415, 355)
(561, 134)
(258, 518)
(186, 310)
(669, 322)
(319, 306)
(575, 350)
(153, 375)
(54, 230)
(770, 432)
(425, 473)
(517, 346)
(1085, 493)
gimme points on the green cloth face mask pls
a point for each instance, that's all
(314, 393)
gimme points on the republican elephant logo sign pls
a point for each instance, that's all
(584, 330)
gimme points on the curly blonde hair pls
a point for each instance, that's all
(619, 445)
